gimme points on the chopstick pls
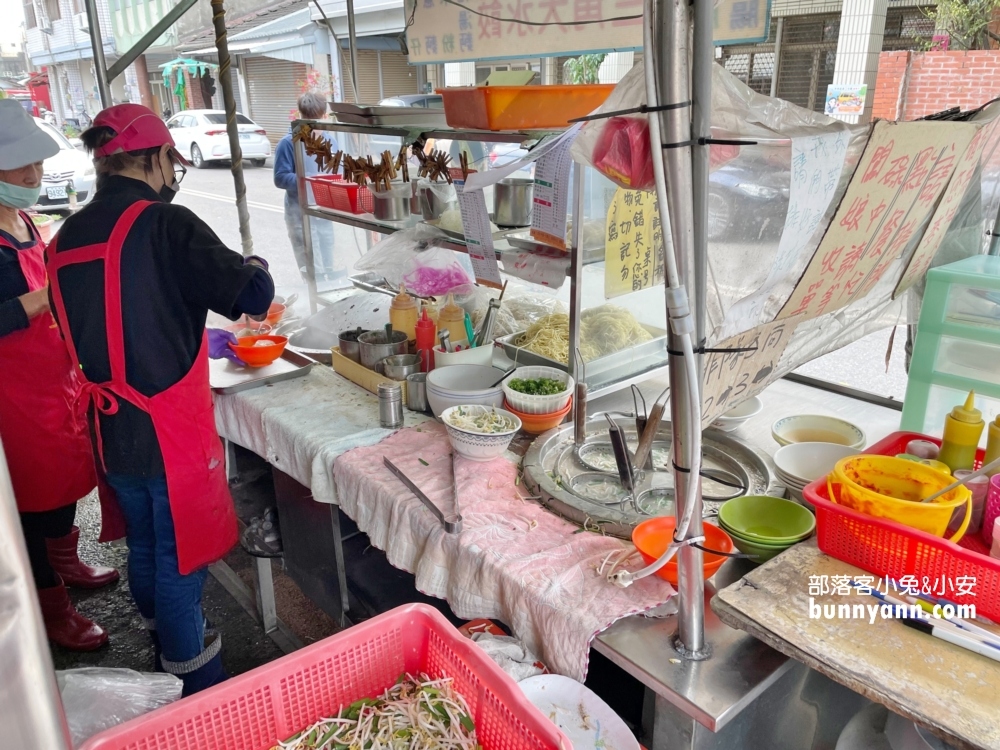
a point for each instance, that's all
(954, 637)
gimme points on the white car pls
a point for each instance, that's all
(69, 165)
(200, 135)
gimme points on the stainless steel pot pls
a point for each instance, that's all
(374, 347)
(349, 345)
(435, 200)
(392, 205)
(512, 202)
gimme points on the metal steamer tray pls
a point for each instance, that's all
(460, 236)
(610, 368)
(400, 117)
(226, 377)
(582, 485)
(522, 240)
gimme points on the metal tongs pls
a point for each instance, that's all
(485, 332)
(452, 523)
(626, 470)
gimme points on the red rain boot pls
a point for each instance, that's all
(65, 626)
(75, 573)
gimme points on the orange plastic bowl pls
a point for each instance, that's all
(536, 424)
(652, 537)
(259, 356)
(274, 313)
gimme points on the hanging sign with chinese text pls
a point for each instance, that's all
(633, 247)
(483, 29)
(478, 236)
(902, 175)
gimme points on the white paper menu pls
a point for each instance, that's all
(551, 195)
(478, 236)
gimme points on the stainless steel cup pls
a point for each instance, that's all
(416, 392)
(512, 199)
(374, 347)
(349, 345)
(392, 205)
(401, 366)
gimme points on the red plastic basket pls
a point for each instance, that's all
(332, 191)
(276, 701)
(890, 549)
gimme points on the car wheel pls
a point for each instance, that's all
(258, 162)
(197, 160)
(720, 214)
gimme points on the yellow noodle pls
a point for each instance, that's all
(604, 330)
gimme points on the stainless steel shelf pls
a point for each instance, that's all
(426, 131)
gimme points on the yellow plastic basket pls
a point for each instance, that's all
(888, 487)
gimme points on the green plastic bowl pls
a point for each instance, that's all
(767, 520)
(762, 552)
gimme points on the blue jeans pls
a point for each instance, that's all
(322, 239)
(161, 593)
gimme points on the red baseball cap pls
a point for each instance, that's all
(137, 128)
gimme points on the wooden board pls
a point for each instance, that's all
(953, 692)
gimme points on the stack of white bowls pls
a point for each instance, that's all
(462, 385)
(800, 464)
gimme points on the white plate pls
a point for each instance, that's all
(586, 720)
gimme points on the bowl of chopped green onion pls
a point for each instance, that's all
(479, 433)
(538, 390)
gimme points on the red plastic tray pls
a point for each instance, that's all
(332, 191)
(887, 548)
(276, 701)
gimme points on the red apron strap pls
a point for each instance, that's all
(53, 263)
(113, 291)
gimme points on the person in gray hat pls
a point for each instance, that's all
(45, 441)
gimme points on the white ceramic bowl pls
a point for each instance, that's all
(477, 446)
(733, 418)
(477, 355)
(817, 428)
(802, 463)
(528, 404)
(463, 384)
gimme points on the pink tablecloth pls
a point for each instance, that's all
(514, 560)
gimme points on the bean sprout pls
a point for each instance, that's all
(417, 713)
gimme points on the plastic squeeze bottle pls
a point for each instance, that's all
(426, 336)
(962, 430)
(451, 318)
(403, 313)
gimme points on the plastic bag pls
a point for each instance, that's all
(520, 308)
(405, 252)
(434, 271)
(97, 699)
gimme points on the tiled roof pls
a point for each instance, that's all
(234, 25)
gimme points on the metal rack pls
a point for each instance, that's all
(368, 223)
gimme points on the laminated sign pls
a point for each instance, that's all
(902, 175)
(442, 31)
(633, 248)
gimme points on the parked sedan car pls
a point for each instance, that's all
(69, 165)
(201, 137)
(427, 101)
(747, 205)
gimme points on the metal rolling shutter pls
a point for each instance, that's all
(398, 76)
(272, 86)
(368, 85)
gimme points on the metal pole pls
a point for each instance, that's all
(226, 81)
(672, 58)
(97, 43)
(995, 235)
(31, 713)
(353, 39)
(777, 56)
(576, 274)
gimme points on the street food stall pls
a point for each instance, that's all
(570, 414)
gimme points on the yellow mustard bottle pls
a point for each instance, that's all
(431, 309)
(962, 430)
(403, 313)
(451, 318)
(993, 445)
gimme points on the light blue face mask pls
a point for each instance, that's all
(16, 196)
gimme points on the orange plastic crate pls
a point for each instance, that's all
(276, 701)
(520, 107)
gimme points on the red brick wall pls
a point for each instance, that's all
(915, 84)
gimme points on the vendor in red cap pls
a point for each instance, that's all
(44, 439)
(132, 280)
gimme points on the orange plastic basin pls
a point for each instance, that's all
(536, 424)
(259, 356)
(520, 107)
(652, 537)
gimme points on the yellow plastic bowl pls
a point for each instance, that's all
(887, 487)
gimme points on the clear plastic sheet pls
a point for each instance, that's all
(96, 699)
(401, 256)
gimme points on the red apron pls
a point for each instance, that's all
(48, 451)
(183, 415)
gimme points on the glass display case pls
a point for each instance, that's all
(622, 339)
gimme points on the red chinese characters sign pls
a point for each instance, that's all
(903, 173)
(482, 29)
(984, 141)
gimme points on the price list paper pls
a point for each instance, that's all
(551, 195)
(478, 236)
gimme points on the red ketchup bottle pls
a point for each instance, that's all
(425, 331)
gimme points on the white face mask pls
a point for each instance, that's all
(16, 196)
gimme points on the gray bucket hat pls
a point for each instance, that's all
(22, 142)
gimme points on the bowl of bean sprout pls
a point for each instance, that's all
(480, 433)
